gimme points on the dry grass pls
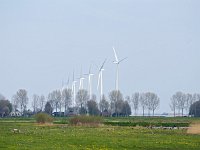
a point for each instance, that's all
(194, 128)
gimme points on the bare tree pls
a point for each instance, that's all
(103, 104)
(42, 102)
(35, 103)
(143, 102)
(15, 103)
(81, 98)
(181, 101)
(128, 99)
(55, 98)
(173, 104)
(188, 101)
(67, 98)
(135, 100)
(22, 99)
(195, 97)
(115, 98)
(154, 102)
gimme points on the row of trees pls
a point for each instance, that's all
(115, 104)
(58, 100)
(147, 101)
(182, 101)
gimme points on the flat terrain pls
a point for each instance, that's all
(30, 135)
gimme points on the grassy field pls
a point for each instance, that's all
(63, 136)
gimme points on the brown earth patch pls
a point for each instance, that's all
(194, 129)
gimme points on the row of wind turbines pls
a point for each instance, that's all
(117, 61)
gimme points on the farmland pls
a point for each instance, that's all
(61, 135)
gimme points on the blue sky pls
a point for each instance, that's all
(42, 42)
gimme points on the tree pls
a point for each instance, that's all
(195, 109)
(195, 97)
(119, 104)
(81, 98)
(189, 101)
(173, 104)
(126, 109)
(21, 99)
(55, 98)
(135, 100)
(143, 102)
(5, 108)
(94, 97)
(14, 103)
(48, 108)
(67, 98)
(42, 102)
(38, 103)
(148, 101)
(115, 98)
(35, 103)
(92, 107)
(103, 104)
(2, 97)
(181, 101)
(154, 102)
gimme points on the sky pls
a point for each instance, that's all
(43, 41)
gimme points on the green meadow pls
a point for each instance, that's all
(60, 135)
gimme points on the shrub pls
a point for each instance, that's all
(146, 124)
(86, 120)
(43, 118)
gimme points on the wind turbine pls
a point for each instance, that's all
(90, 82)
(117, 62)
(100, 79)
(74, 90)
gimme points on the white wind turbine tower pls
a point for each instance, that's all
(74, 90)
(90, 82)
(100, 79)
(81, 81)
(117, 62)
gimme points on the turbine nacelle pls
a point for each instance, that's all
(115, 62)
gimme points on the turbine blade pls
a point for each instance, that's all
(102, 65)
(116, 58)
(123, 59)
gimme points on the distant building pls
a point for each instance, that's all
(58, 114)
(16, 114)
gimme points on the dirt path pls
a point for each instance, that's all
(194, 129)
